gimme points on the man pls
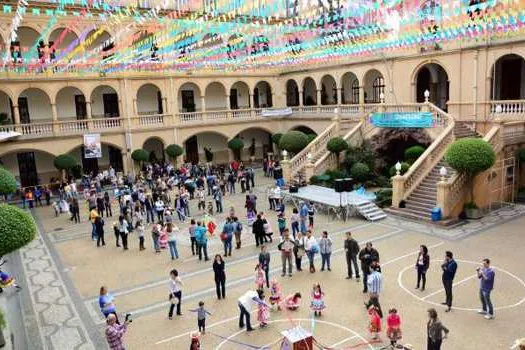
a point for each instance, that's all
(449, 268)
(115, 332)
(227, 231)
(253, 200)
(201, 198)
(278, 174)
(351, 250)
(258, 230)
(217, 195)
(246, 303)
(303, 215)
(286, 247)
(367, 255)
(375, 286)
(486, 276)
(202, 240)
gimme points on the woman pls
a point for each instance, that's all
(75, 210)
(311, 247)
(422, 264)
(264, 263)
(123, 228)
(436, 332)
(220, 276)
(99, 228)
(155, 236)
(172, 240)
(175, 297)
(299, 250)
(105, 301)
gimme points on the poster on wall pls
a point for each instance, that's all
(92, 146)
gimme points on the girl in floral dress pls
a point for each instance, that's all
(263, 313)
(317, 304)
(275, 294)
(260, 279)
(393, 329)
(374, 326)
(292, 302)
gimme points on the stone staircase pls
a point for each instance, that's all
(371, 211)
(422, 200)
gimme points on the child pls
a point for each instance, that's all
(281, 223)
(294, 219)
(393, 330)
(232, 213)
(311, 213)
(195, 342)
(375, 322)
(7, 281)
(163, 238)
(210, 208)
(201, 317)
(268, 231)
(250, 217)
(140, 229)
(317, 304)
(56, 206)
(275, 294)
(263, 313)
(292, 302)
(259, 277)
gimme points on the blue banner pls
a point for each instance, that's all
(402, 119)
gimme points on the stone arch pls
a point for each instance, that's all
(328, 90)
(71, 103)
(215, 140)
(6, 102)
(240, 95)
(44, 168)
(111, 155)
(262, 95)
(292, 93)
(155, 145)
(350, 89)
(189, 97)
(103, 42)
(105, 102)
(304, 128)
(507, 76)
(374, 85)
(434, 78)
(38, 103)
(215, 96)
(27, 36)
(61, 41)
(309, 92)
(149, 99)
(261, 137)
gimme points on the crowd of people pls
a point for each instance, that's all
(153, 197)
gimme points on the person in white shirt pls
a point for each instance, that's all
(311, 247)
(246, 303)
(159, 208)
(175, 297)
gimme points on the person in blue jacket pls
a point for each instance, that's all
(449, 268)
(202, 240)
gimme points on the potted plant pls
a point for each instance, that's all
(252, 151)
(2, 327)
(470, 156)
(174, 151)
(337, 145)
(236, 145)
(140, 156)
(65, 163)
(293, 141)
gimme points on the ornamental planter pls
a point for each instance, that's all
(473, 213)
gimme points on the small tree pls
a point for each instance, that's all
(293, 141)
(65, 163)
(470, 156)
(311, 137)
(7, 182)
(236, 145)
(360, 172)
(17, 228)
(140, 156)
(337, 145)
(174, 151)
(413, 153)
(276, 138)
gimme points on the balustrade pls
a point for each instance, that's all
(505, 110)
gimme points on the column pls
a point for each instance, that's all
(88, 110)
(203, 108)
(252, 106)
(16, 115)
(165, 109)
(397, 190)
(135, 107)
(125, 163)
(120, 107)
(56, 127)
(441, 198)
(309, 171)
(338, 96)
(362, 98)
(229, 114)
(287, 170)
(301, 98)
(319, 97)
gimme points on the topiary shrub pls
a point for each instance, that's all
(311, 137)
(470, 156)
(65, 163)
(404, 168)
(413, 153)
(360, 172)
(17, 228)
(337, 145)
(173, 151)
(236, 145)
(7, 182)
(140, 155)
(384, 198)
(293, 141)
(276, 138)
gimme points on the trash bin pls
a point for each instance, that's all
(436, 214)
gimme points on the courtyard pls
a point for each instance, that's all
(63, 270)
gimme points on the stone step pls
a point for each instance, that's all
(424, 195)
(421, 200)
(420, 208)
(409, 214)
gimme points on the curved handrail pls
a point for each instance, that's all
(318, 144)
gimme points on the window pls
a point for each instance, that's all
(355, 92)
(378, 88)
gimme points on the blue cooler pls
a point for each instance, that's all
(436, 214)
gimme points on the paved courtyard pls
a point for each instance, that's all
(63, 270)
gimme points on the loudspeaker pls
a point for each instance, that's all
(348, 184)
(294, 189)
(339, 185)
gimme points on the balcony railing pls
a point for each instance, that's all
(504, 110)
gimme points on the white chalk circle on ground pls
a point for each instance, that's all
(355, 334)
(424, 298)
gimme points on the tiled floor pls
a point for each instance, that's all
(63, 271)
